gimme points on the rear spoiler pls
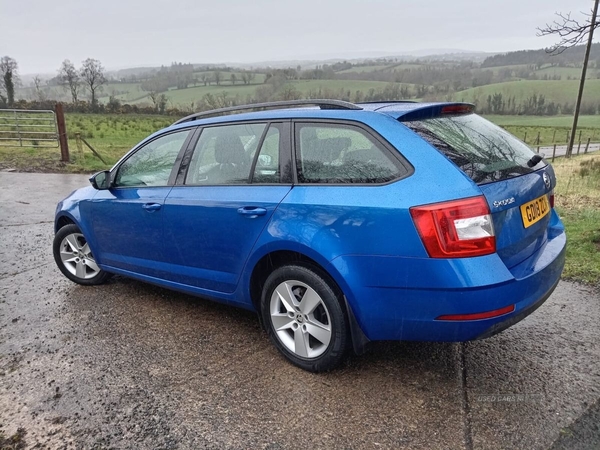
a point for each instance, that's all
(429, 111)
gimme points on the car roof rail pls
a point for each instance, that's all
(323, 104)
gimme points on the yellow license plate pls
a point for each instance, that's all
(535, 210)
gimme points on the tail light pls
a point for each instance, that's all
(551, 197)
(456, 229)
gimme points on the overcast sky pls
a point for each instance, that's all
(40, 34)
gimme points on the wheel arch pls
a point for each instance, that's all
(65, 217)
(273, 259)
(63, 220)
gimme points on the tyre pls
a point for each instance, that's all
(302, 312)
(74, 258)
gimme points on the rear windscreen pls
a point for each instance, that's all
(484, 151)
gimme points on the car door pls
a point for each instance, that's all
(237, 176)
(128, 218)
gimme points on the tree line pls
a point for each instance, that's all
(90, 74)
(569, 57)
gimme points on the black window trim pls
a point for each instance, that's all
(261, 141)
(172, 176)
(284, 152)
(397, 158)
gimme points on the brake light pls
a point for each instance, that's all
(551, 197)
(456, 229)
(457, 109)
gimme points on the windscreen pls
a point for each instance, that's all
(484, 151)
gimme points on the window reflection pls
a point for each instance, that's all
(484, 151)
(341, 154)
(152, 164)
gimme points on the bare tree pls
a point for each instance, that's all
(217, 76)
(39, 91)
(233, 78)
(154, 97)
(10, 78)
(92, 74)
(153, 87)
(161, 103)
(572, 33)
(69, 78)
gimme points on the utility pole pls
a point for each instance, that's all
(582, 81)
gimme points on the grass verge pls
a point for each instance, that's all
(578, 204)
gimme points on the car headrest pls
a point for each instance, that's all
(229, 150)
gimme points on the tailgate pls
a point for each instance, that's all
(520, 208)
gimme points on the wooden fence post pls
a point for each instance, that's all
(62, 132)
(554, 153)
(80, 155)
(587, 145)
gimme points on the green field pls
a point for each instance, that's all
(111, 135)
(364, 69)
(544, 121)
(563, 91)
(183, 97)
(305, 86)
(259, 78)
(126, 92)
(551, 129)
(566, 72)
(382, 68)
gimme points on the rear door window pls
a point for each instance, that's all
(482, 150)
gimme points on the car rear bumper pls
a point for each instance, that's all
(407, 305)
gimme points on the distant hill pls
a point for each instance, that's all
(570, 57)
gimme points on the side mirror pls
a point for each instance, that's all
(101, 180)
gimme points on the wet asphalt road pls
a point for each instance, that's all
(129, 365)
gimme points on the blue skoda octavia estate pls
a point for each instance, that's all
(339, 223)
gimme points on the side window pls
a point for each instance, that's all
(223, 154)
(330, 153)
(151, 165)
(267, 164)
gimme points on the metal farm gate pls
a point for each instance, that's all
(28, 128)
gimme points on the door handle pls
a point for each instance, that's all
(252, 211)
(151, 207)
